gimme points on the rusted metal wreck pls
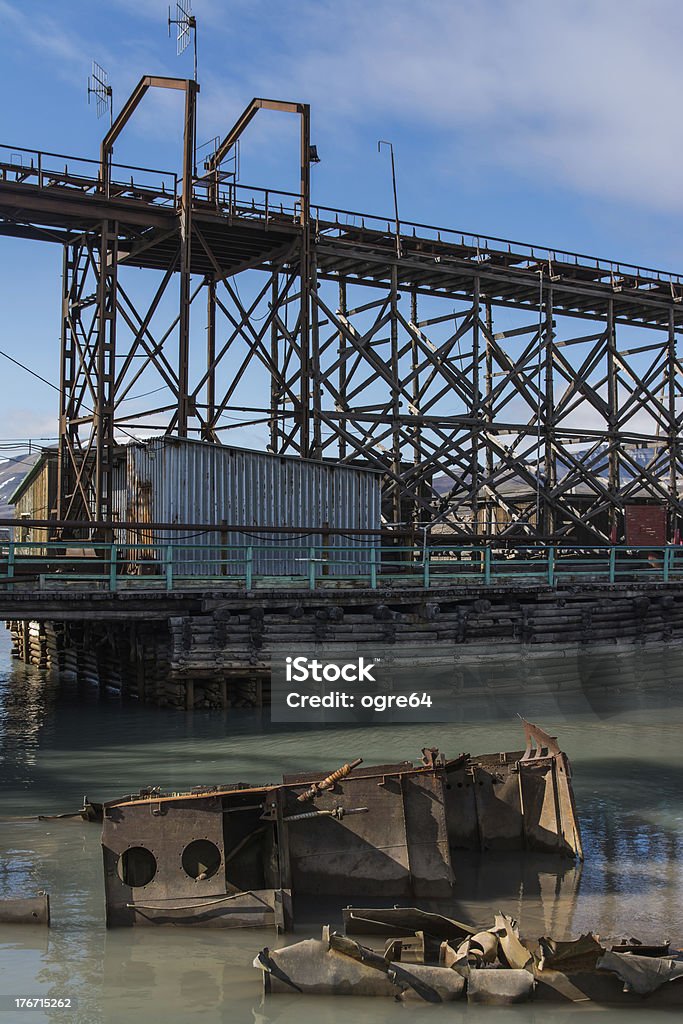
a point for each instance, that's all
(439, 960)
(236, 856)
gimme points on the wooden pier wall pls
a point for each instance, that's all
(213, 651)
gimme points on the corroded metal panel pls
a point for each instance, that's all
(568, 818)
(539, 799)
(399, 843)
(165, 829)
(499, 809)
(461, 809)
(192, 841)
(359, 854)
(427, 834)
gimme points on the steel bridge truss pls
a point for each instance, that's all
(502, 389)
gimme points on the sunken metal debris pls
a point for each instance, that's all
(642, 974)
(237, 855)
(492, 966)
(403, 921)
(26, 910)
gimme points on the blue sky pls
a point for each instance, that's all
(545, 122)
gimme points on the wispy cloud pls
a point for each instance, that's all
(46, 34)
(584, 94)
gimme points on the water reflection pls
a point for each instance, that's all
(628, 769)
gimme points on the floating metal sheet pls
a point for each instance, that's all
(173, 480)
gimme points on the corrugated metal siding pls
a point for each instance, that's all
(169, 480)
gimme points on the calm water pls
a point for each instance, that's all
(55, 747)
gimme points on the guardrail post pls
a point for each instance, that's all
(665, 566)
(425, 568)
(487, 564)
(311, 568)
(612, 564)
(551, 566)
(169, 567)
(373, 568)
(249, 568)
(113, 552)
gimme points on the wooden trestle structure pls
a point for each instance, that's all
(502, 388)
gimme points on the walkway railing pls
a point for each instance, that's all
(168, 566)
(159, 187)
(19, 165)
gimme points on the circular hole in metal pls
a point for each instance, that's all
(201, 859)
(137, 866)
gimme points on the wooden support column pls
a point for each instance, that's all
(305, 278)
(415, 394)
(67, 431)
(275, 360)
(106, 373)
(343, 309)
(415, 373)
(395, 400)
(314, 382)
(208, 432)
(673, 431)
(184, 401)
(476, 404)
(612, 423)
(549, 456)
(488, 418)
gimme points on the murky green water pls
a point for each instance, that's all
(627, 755)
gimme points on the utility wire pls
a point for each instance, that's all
(32, 372)
(57, 389)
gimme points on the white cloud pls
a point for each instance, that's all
(37, 421)
(584, 94)
(51, 36)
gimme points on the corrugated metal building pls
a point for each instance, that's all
(173, 480)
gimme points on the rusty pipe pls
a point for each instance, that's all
(328, 783)
(337, 812)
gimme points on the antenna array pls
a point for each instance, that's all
(186, 24)
(99, 87)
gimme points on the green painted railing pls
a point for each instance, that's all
(169, 566)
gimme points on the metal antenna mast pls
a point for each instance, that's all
(186, 24)
(383, 142)
(187, 28)
(99, 87)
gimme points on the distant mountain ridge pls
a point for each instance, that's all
(596, 462)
